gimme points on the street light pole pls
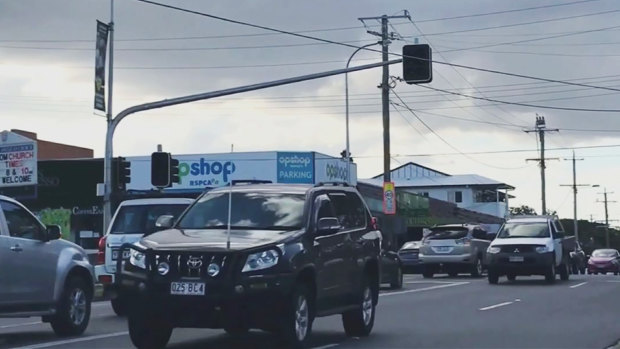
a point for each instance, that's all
(346, 93)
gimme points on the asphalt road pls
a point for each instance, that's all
(438, 313)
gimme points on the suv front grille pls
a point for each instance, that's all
(518, 248)
(191, 264)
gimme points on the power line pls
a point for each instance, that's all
(522, 104)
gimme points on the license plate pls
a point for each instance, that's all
(115, 254)
(187, 288)
(442, 249)
(515, 259)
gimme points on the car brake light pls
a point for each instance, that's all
(105, 279)
(101, 252)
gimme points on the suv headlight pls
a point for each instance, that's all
(261, 260)
(542, 249)
(493, 249)
(137, 258)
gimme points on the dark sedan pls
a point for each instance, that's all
(604, 261)
(409, 256)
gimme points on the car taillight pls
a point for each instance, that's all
(374, 223)
(101, 252)
(463, 241)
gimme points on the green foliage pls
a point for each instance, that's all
(522, 210)
(59, 216)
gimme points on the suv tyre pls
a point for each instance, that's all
(398, 281)
(493, 277)
(564, 274)
(550, 274)
(73, 311)
(147, 330)
(119, 305)
(298, 319)
(476, 270)
(359, 322)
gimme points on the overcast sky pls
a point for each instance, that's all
(47, 58)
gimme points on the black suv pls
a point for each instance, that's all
(276, 258)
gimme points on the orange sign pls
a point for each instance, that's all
(389, 198)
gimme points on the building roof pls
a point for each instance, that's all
(471, 180)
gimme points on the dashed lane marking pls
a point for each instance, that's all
(74, 340)
(496, 306)
(581, 284)
(423, 289)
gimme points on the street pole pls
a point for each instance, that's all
(385, 87)
(541, 129)
(574, 186)
(605, 201)
(107, 161)
(204, 96)
(346, 92)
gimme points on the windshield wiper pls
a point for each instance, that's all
(279, 227)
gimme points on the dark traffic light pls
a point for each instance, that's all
(122, 173)
(417, 64)
(174, 171)
(160, 169)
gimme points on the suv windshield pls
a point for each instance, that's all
(140, 219)
(524, 230)
(249, 210)
(447, 233)
(604, 253)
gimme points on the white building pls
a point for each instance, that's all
(471, 192)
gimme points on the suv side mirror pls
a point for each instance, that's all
(164, 222)
(327, 226)
(52, 232)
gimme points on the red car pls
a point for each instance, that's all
(604, 261)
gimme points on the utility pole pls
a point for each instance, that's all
(541, 128)
(575, 185)
(605, 192)
(386, 38)
(107, 161)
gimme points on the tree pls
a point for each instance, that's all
(522, 211)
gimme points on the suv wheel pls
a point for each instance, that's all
(427, 273)
(147, 330)
(398, 280)
(550, 275)
(493, 277)
(511, 277)
(119, 305)
(477, 268)
(298, 318)
(73, 311)
(359, 322)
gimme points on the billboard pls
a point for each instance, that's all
(295, 167)
(18, 160)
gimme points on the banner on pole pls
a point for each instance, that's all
(101, 48)
(389, 198)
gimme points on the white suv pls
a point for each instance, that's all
(133, 219)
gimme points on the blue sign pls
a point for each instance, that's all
(295, 167)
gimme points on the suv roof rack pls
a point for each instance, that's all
(335, 183)
(250, 181)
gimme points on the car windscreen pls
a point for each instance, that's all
(524, 230)
(249, 210)
(604, 253)
(451, 233)
(140, 219)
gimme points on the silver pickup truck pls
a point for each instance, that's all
(41, 274)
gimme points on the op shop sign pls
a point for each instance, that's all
(295, 167)
(18, 160)
(205, 173)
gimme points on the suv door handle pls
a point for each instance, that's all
(16, 248)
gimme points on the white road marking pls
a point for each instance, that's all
(327, 346)
(429, 282)
(424, 289)
(100, 304)
(496, 306)
(613, 280)
(74, 340)
(581, 284)
(21, 324)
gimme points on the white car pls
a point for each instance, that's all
(133, 219)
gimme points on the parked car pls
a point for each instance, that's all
(604, 261)
(391, 269)
(409, 256)
(454, 249)
(530, 245)
(41, 274)
(133, 219)
(275, 259)
(578, 260)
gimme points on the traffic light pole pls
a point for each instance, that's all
(107, 176)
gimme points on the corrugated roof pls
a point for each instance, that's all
(453, 180)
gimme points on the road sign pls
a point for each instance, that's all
(417, 64)
(389, 198)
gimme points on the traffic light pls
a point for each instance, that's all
(160, 169)
(174, 171)
(123, 173)
(417, 64)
